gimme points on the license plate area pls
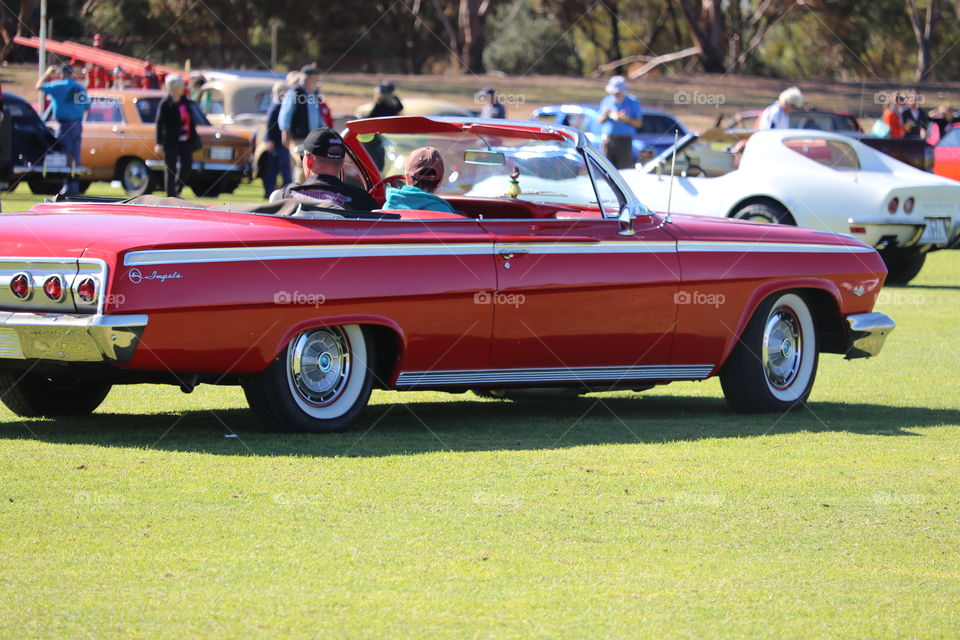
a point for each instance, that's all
(221, 153)
(55, 160)
(935, 231)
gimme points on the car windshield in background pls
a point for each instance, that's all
(830, 153)
(822, 122)
(147, 108)
(550, 171)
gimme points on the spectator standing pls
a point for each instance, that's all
(302, 111)
(777, 115)
(176, 134)
(70, 101)
(197, 80)
(492, 107)
(385, 101)
(891, 115)
(423, 174)
(915, 119)
(385, 104)
(941, 120)
(277, 156)
(323, 153)
(620, 117)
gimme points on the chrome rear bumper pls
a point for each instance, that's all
(70, 337)
(866, 333)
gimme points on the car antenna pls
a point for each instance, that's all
(673, 163)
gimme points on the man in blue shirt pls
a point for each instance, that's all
(620, 117)
(423, 174)
(70, 101)
(303, 111)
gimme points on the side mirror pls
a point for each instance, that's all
(626, 222)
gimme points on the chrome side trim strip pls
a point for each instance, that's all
(562, 374)
(769, 247)
(637, 246)
(246, 254)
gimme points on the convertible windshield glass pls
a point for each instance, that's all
(549, 171)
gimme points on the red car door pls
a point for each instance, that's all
(573, 295)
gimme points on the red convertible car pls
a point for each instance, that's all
(568, 282)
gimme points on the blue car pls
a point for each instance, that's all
(28, 150)
(655, 136)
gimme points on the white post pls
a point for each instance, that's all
(42, 62)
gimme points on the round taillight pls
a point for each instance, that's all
(892, 205)
(908, 205)
(53, 288)
(87, 290)
(20, 285)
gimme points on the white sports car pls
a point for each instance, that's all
(812, 179)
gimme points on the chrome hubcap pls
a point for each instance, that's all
(782, 348)
(319, 365)
(135, 175)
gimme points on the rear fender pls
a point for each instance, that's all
(388, 364)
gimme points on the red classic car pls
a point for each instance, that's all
(568, 283)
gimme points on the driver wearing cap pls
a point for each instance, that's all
(323, 152)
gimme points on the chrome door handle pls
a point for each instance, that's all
(510, 254)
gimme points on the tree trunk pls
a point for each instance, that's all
(473, 27)
(614, 51)
(26, 10)
(923, 31)
(709, 37)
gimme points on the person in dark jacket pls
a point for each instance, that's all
(323, 154)
(176, 135)
(915, 118)
(276, 154)
(385, 104)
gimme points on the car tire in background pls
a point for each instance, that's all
(136, 177)
(208, 188)
(48, 187)
(31, 395)
(774, 363)
(903, 265)
(767, 211)
(319, 383)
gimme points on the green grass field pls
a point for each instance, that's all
(654, 515)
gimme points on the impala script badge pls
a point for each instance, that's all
(136, 277)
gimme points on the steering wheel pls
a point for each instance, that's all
(394, 180)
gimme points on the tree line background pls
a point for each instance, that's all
(803, 39)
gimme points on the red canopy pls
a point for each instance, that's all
(99, 57)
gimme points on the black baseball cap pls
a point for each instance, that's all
(310, 70)
(323, 142)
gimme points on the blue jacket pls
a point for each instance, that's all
(69, 99)
(273, 133)
(410, 197)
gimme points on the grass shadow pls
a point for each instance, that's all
(474, 425)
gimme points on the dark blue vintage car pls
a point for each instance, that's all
(28, 150)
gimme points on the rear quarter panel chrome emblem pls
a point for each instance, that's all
(136, 276)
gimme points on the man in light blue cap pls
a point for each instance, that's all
(70, 101)
(620, 117)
